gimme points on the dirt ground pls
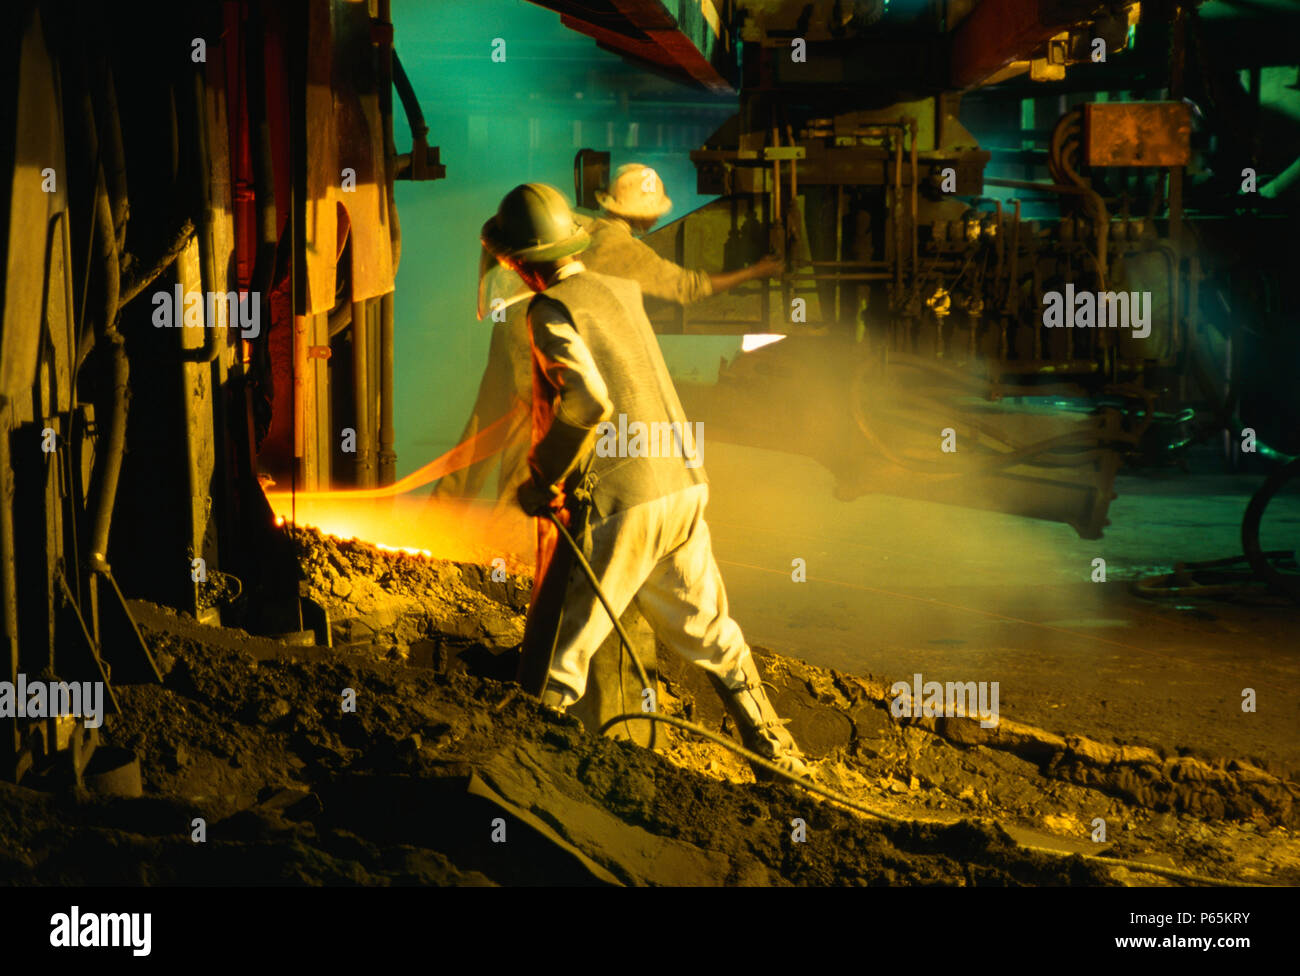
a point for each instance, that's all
(445, 773)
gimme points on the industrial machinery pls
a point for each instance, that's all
(172, 324)
(200, 241)
(923, 270)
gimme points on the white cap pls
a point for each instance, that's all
(638, 192)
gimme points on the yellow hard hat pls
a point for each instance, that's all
(534, 223)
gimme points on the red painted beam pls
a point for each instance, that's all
(998, 32)
(644, 30)
(644, 50)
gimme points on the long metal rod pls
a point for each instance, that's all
(839, 246)
(865, 276)
(912, 127)
(776, 180)
(90, 643)
(898, 217)
(849, 264)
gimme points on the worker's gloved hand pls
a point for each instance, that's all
(534, 500)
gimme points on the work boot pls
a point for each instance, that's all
(762, 730)
(555, 698)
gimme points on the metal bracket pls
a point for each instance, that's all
(784, 152)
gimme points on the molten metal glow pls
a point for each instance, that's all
(464, 531)
(402, 517)
(757, 340)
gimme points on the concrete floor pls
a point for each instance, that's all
(896, 587)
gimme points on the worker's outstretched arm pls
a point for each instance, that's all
(765, 268)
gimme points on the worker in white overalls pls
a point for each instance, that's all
(639, 514)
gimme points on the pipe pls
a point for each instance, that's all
(794, 167)
(776, 181)
(104, 241)
(898, 216)
(387, 456)
(410, 104)
(1013, 290)
(111, 468)
(417, 160)
(849, 264)
(340, 317)
(365, 446)
(1177, 55)
(304, 332)
(912, 127)
(137, 281)
(108, 124)
(879, 276)
(839, 252)
(386, 57)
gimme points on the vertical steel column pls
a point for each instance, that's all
(898, 213)
(912, 129)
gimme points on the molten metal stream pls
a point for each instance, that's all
(403, 517)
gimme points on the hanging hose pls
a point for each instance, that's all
(844, 801)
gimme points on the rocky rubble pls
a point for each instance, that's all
(402, 755)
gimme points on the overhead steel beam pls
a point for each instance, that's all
(688, 38)
(998, 32)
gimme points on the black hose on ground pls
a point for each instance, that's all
(844, 801)
(804, 782)
(1286, 584)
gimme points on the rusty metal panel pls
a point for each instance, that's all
(1137, 133)
(319, 244)
(36, 222)
(359, 136)
(344, 131)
